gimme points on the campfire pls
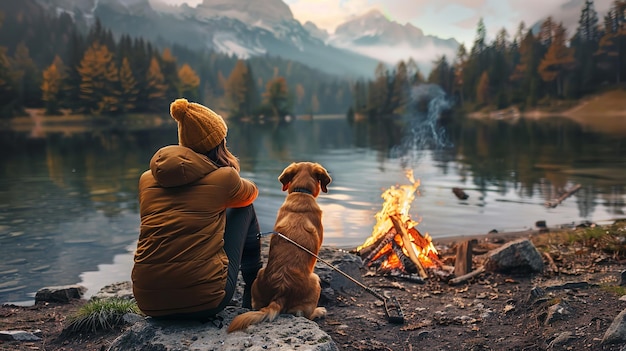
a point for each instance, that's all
(396, 246)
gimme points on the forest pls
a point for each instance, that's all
(538, 68)
(48, 62)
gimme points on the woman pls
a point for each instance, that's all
(198, 225)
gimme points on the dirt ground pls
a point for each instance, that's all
(578, 300)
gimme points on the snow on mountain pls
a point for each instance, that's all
(373, 35)
(247, 28)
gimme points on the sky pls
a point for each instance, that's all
(444, 18)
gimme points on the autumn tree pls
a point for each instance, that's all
(482, 90)
(128, 87)
(52, 85)
(99, 91)
(155, 87)
(557, 61)
(189, 83)
(276, 97)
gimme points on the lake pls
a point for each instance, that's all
(69, 210)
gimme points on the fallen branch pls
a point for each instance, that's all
(555, 203)
(466, 277)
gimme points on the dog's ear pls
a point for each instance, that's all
(323, 177)
(288, 173)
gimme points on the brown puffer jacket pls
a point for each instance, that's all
(180, 264)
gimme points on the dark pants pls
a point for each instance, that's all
(243, 248)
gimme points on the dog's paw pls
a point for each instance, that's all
(319, 312)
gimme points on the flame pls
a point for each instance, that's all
(397, 202)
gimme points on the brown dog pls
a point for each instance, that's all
(287, 284)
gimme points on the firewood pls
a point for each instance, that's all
(370, 251)
(466, 277)
(463, 261)
(408, 245)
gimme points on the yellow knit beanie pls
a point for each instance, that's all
(199, 128)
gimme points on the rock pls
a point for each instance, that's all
(561, 340)
(61, 294)
(19, 335)
(333, 282)
(616, 333)
(622, 278)
(122, 290)
(519, 256)
(287, 332)
(557, 312)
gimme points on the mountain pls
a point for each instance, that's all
(246, 28)
(238, 27)
(373, 35)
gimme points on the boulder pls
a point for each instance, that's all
(62, 294)
(287, 332)
(519, 256)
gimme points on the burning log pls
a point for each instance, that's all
(406, 241)
(371, 251)
(408, 265)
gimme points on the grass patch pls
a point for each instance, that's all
(615, 289)
(101, 314)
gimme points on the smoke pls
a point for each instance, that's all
(424, 132)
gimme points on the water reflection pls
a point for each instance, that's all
(69, 196)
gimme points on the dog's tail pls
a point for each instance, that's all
(244, 320)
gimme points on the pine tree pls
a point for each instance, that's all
(525, 73)
(612, 46)
(585, 44)
(459, 65)
(170, 74)
(189, 82)
(400, 89)
(378, 93)
(8, 94)
(27, 76)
